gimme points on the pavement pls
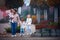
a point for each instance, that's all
(26, 37)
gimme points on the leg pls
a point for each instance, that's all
(13, 27)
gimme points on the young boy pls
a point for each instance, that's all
(28, 23)
(22, 28)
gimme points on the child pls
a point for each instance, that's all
(28, 23)
(22, 28)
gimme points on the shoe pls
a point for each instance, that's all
(20, 35)
(23, 34)
(15, 35)
(12, 35)
(27, 33)
(30, 33)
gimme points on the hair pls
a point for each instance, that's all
(13, 10)
(29, 14)
(22, 19)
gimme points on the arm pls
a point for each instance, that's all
(18, 20)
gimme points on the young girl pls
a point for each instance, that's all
(28, 23)
(22, 28)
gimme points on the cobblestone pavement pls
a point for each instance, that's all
(8, 37)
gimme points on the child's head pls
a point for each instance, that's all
(22, 19)
(13, 11)
(28, 16)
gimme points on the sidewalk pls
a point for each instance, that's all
(8, 37)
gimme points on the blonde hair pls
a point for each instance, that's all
(29, 15)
